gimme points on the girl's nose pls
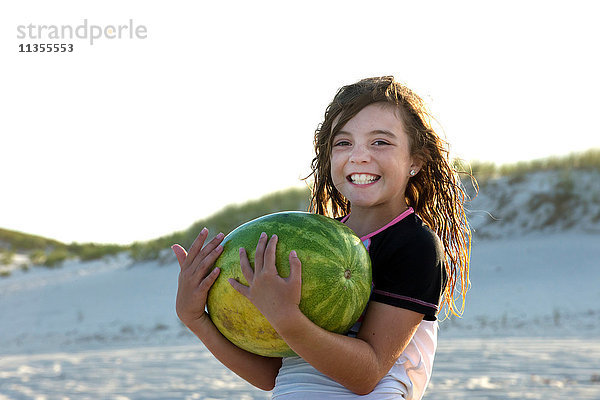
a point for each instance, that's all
(360, 154)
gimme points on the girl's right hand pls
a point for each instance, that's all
(194, 277)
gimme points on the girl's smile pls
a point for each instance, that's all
(363, 179)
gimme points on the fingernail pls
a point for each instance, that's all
(242, 250)
(263, 235)
(274, 237)
(293, 253)
(204, 230)
(216, 270)
(220, 235)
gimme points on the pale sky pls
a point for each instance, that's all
(131, 139)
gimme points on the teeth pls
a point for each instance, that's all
(363, 179)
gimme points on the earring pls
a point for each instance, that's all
(413, 172)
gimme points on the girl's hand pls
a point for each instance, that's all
(274, 296)
(194, 279)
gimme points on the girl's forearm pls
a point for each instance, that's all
(349, 361)
(356, 363)
(257, 370)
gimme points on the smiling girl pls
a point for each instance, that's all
(382, 170)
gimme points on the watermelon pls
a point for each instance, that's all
(336, 278)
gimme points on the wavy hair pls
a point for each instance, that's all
(436, 193)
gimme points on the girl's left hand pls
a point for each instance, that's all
(275, 297)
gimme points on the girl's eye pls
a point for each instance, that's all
(342, 143)
(380, 143)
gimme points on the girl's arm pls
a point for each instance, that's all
(356, 363)
(192, 291)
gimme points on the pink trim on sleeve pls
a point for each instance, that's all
(406, 298)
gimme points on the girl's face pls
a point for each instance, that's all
(371, 161)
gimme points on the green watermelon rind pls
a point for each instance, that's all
(330, 247)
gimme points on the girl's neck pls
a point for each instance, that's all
(366, 220)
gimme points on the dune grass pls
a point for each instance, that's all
(484, 171)
(52, 253)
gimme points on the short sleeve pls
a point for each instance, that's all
(408, 271)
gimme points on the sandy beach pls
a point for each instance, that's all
(108, 329)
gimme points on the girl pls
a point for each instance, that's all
(382, 170)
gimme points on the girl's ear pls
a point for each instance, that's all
(415, 167)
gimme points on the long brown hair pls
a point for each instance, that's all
(435, 193)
